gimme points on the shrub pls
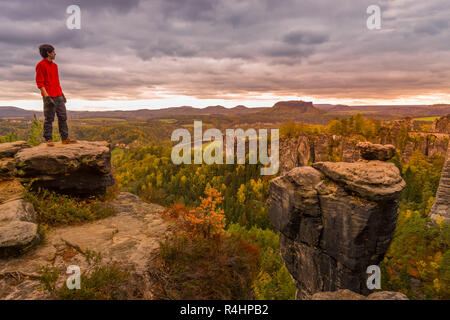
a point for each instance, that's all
(203, 261)
(205, 268)
(101, 282)
(55, 209)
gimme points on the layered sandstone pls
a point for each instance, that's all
(335, 220)
(441, 207)
(441, 125)
(82, 168)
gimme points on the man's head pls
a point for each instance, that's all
(47, 51)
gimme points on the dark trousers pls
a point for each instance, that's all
(49, 112)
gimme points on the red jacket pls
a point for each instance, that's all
(47, 76)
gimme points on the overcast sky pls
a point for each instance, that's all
(160, 53)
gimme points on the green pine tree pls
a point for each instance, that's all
(37, 128)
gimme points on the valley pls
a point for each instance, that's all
(238, 195)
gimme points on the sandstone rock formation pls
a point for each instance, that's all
(335, 220)
(371, 151)
(325, 146)
(373, 180)
(346, 294)
(299, 151)
(82, 168)
(302, 150)
(18, 228)
(295, 152)
(8, 150)
(441, 206)
(441, 125)
(130, 238)
(7, 168)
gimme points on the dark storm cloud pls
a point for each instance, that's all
(431, 27)
(22, 10)
(302, 37)
(208, 48)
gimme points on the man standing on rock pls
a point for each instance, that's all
(47, 80)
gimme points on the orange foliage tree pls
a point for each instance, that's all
(208, 219)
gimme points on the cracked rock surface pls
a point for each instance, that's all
(130, 238)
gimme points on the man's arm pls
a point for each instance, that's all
(40, 80)
(44, 92)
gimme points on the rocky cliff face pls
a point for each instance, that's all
(295, 152)
(441, 125)
(335, 220)
(303, 150)
(441, 207)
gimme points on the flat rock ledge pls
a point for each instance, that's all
(9, 149)
(129, 238)
(82, 168)
(372, 180)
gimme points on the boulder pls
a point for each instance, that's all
(387, 295)
(17, 210)
(9, 149)
(346, 294)
(82, 168)
(16, 236)
(343, 294)
(371, 151)
(334, 220)
(18, 229)
(373, 180)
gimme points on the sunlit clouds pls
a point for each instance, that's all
(167, 53)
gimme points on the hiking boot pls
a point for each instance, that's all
(49, 143)
(67, 141)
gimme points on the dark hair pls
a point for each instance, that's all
(45, 49)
